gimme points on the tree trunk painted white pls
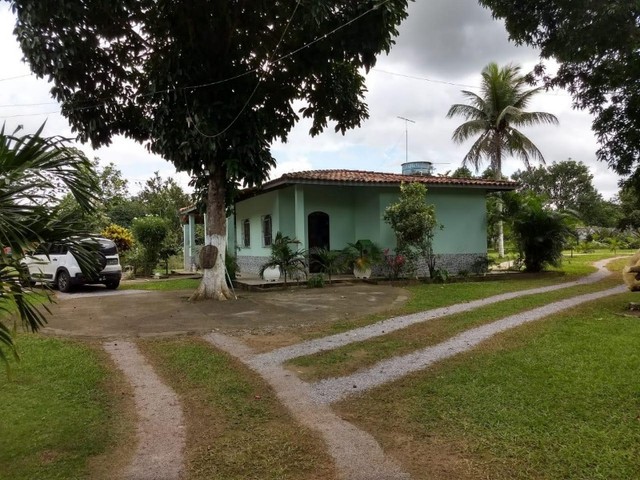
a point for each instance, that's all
(214, 284)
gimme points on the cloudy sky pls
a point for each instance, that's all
(442, 47)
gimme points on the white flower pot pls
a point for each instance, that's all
(271, 274)
(361, 272)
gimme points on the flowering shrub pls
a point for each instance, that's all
(394, 264)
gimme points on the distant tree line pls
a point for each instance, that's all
(149, 217)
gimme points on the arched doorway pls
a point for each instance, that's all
(318, 231)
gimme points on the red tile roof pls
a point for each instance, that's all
(360, 177)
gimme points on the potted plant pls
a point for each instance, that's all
(286, 258)
(329, 261)
(364, 254)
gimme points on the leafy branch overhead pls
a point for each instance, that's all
(596, 46)
(208, 84)
(176, 75)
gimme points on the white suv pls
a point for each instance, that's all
(53, 263)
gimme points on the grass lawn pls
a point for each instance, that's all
(169, 284)
(236, 427)
(558, 398)
(61, 413)
(426, 296)
(347, 359)
(352, 357)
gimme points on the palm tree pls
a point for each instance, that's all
(35, 172)
(493, 117)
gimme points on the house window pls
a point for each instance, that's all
(266, 231)
(246, 233)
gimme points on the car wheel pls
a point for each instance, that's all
(64, 281)
(113, 284)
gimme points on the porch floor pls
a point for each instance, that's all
(249, 281)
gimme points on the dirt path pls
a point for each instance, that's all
(161, 436)
(357, 454)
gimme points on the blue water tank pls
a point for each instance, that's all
(417, 168)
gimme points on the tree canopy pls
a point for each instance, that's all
(208, 85)
(567, 185)
(596, 45)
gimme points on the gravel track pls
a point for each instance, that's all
(334, 389)
(161, 433)
(384, 327)
(357, 454)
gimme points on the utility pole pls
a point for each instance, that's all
(406, 137)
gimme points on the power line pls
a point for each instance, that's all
(454, 84)
(15, 78)
(27, 104)
(425, 79)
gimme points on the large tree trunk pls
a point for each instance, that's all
(214, 283)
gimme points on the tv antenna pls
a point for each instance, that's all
(406, 137)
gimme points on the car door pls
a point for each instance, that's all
(58, 258)
(38, 262)
(44, 262)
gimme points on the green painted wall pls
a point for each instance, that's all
(464, 216)
(368, 215)
(338, 203)
(357, 213)
(254, 209)
(286, 214)
(462, 212)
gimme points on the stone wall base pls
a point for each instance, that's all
(453, 263)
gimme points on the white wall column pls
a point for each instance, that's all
(192, 242)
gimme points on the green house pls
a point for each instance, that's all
(330, 208)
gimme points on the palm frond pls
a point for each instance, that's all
(480, 149)
(468, 130)
(520, 146)
(34, 170)
(529, 119)
(466, 111)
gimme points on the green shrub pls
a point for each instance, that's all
(316, 281)
(440, 275)
(540, 233)
(150, 233)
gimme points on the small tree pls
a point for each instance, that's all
(150, 233)
(414, 223)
